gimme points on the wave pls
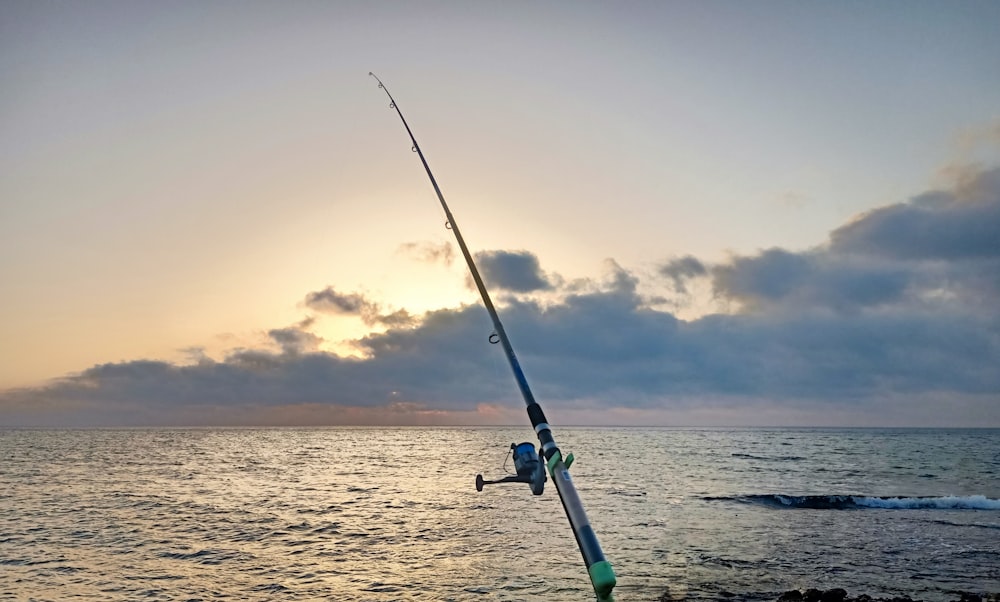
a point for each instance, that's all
(859, 502)
(768, 458)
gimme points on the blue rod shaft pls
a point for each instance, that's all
(601, 575)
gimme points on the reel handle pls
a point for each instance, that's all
(480, 481)
(530, 469)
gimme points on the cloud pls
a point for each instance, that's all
(295, 340)
(515, 271)
(428, 252)
(938, 251)
(397, 319)
(595, 351)
(371, 313)
(940, 225)
(329, 300)
(776, 277)
(893, 320)
(682, 269)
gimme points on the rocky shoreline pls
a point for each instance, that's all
(832, 595)
(841, 595)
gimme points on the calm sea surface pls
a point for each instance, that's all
(393, 514)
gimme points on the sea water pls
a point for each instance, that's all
(393, 514)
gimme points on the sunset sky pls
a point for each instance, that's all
(708, 213)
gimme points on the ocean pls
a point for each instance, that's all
(386, 514)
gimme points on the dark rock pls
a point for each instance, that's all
(834, 595)
(812, 595)
(840, 595)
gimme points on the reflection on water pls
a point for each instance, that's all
(393, 514)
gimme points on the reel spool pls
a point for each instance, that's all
(529, 467)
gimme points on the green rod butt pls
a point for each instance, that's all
(603, 578)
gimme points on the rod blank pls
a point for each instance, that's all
(602, 575)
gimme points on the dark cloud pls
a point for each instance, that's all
(855, 327)
(295, 340)
(941, 225)
(682, 269)
(778, 278)
(515, 271)
(397, 319)
(601, 349)
(769, 276)
(194, 354)
(940, 250)
(330, 301)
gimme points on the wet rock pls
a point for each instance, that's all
(812, 595)
(834, 595)
(840, 595)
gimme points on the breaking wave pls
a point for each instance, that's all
(858, 502)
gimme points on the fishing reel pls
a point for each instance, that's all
(530, 469)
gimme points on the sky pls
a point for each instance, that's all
(688, 213)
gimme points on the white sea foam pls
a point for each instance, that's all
(951, 502)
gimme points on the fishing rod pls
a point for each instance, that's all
(526, 461)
